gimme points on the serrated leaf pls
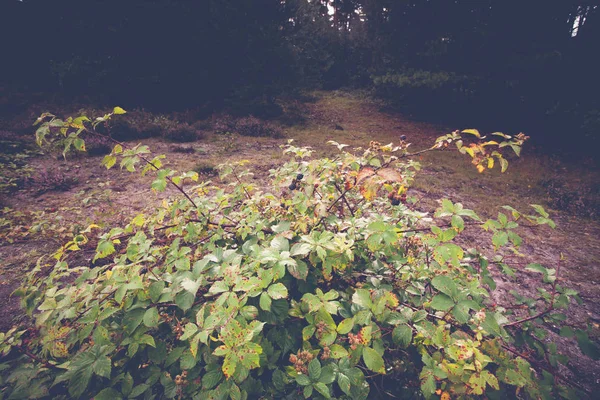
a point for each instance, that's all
(314, 369)
(108, 394)
(323, 389)
(338, 351)
(445, 285)
(373, 360)
(265, 301)
(277, 291)
(151, 317)
(442, 302)
(344, 383)
(302, 380)
(402, 335)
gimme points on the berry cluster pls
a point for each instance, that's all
(301, 361)
(396, 198)
(356, 340)
(295, 182)
(181, 379)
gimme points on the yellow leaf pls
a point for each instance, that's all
(491, 142)
(480, 168)
(490, 163)
(118, 110)
(109, 274)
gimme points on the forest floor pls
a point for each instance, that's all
(69, 195)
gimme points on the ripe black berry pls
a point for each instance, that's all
(143, 271)
(395, 201)
(292, 186)
(403, 137)
(299, 177)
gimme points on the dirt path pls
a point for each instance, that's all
(112, 197)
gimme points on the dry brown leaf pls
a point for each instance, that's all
(364, 173)
(390, 175)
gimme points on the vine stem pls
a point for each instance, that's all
(36, 358)
(537, 364)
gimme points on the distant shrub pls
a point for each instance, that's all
(97, 145)
(205, 168)
(183, 149)
(181, 133)
(251, 126)
(51, 180)
(223, 125)
(202, 125)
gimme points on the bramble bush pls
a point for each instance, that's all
(328, 285)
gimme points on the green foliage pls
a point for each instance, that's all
(316, 291)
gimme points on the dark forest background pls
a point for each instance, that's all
(494, 64)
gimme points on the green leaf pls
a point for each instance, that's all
(279, 380)
(567, 331)
(307, 392)
(138, 390)
(229, 365)
(249, 312)
(265, 301)
(155, 290)
(104, 249)
(211, 378)
(151, 317)
(299, 270)
(133, 319)
(109, 161)
(373, 360)
(445, 285)
(323, 389)
(159, 184)
(345, 326)
(344, 383)
(362, 297)
(189, 330)
(277, 291)
(428, 385)
(586, 346)
(338, 351)
(442, 302)
(327, 375)
(108, 394)
(500, 238)
(314, 369)
(302, 380)
(79, 381)
(184, 300)
(402, 335)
